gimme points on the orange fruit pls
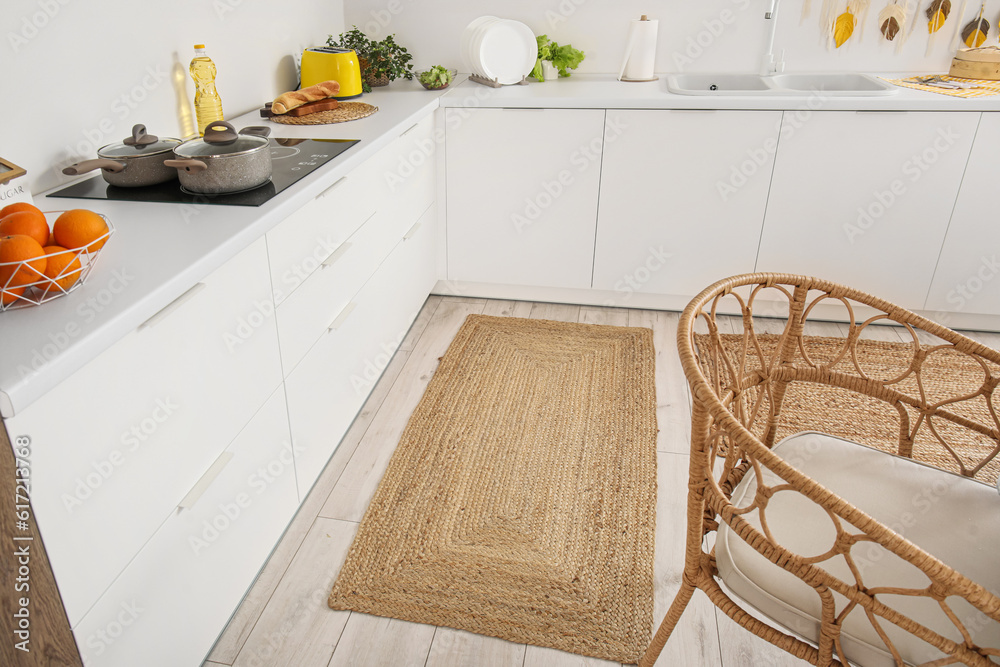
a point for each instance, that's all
(29, 223)
(20, 248)
(10, 295)
(63, 266)
(18, 206)
(80, 228)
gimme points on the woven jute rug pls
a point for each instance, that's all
(520, 501)
(945, 375)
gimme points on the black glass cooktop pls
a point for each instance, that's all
(291, 159)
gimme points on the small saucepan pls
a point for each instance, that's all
(133, 162)
(224, 161)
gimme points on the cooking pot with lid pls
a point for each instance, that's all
(224, 161)
(135, 161)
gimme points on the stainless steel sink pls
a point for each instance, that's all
(774, 85)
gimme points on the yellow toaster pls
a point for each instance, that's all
(322, 63)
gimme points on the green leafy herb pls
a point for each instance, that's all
(563, 58)
(436, 77)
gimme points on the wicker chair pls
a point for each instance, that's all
(841, 487)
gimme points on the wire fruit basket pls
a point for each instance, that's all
(23, 285)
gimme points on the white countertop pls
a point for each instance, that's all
(603, 91)
(159, 251)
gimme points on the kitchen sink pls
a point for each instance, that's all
(717, 84)
(833, 83)
(775, 85)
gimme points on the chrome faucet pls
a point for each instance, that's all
(768, 63)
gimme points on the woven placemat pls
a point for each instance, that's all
(520, 502)
(945, 374)
(982, 87)
(344, 112)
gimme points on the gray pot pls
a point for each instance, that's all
(224, 161)
(133, 162)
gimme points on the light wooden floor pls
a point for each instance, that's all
(284, 620)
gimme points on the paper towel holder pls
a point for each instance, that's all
(628, 53)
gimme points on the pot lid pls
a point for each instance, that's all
(221, 139)
(140, 143)
(120, 150)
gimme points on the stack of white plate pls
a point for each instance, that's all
(501, 50)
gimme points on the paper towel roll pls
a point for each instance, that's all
(640, 54)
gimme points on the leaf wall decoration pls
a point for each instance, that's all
(892, 19)
(937, 14)
(844, 28)
(974, 34)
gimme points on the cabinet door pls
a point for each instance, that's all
(522, 195)
(864, 199)
(170, 604)
(967, 277)
(332, 382)
(682, 198)
(305, 315)
(121, 441)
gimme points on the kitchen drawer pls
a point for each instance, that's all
(394, 179)
(118, 443)
(172, 601)
(331, 384)
(308, 312)
(298, 246)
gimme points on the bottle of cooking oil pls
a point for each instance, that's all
(207, 103)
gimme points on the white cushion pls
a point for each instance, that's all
(954, 518)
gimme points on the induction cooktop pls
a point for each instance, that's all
(291, 159)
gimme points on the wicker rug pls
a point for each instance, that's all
(520, 502)
(945, 375)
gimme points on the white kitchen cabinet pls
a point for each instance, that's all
(683, 195)
(864, 199)
(169, 605)
(329, 386)
(968, 272)
(299, 245)
(396, 205)
(121, 441)
(522, 195)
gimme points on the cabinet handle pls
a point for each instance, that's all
(342, 317)
(201, 486)
(413, 230)
(336, 254)
(340, 181)
(171, 307)
(410, 130)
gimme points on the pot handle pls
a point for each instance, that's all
(112, 166)
(220, 133)
(139, 137)
(256, 130)
(190, 166)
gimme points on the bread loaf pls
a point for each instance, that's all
(288, 101)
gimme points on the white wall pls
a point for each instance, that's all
(77, 74)
(708, 35)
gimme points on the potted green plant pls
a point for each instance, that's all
(563, 58)
(381, 61)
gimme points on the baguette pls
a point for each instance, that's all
(288, 101)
